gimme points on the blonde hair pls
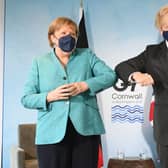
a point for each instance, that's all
(57, 24)
(161, 13)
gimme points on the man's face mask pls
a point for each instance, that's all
(67, 43)
(165, 35)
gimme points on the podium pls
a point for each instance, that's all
(131, 162)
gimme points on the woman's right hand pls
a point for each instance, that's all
(65, 91)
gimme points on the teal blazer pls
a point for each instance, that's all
(46, 74)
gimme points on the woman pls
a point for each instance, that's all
(62, 86)
(151, 68)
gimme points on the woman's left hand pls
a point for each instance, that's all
(77, 88)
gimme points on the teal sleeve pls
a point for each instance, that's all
(103, 76)
(32, 98)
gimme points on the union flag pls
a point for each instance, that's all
(151, 112)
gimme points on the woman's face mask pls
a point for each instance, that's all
(67, 43)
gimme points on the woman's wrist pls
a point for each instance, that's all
(49, 97)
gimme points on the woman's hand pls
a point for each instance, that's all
(78, 87)
(143, 79)
(60, 93)
(65, 91)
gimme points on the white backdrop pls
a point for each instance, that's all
(1, 68)
(121, 30)
(126, 118)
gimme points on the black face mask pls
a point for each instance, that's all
(67, 43)
(165, 35)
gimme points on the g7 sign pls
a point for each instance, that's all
(121, 86)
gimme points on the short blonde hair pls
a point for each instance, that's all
(161, 13)
(57, 24)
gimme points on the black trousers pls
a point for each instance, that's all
(163, 155)
(74, 151)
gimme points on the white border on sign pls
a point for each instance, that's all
(1, 69)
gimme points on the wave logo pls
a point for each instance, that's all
(130, 114)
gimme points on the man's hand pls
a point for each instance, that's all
(143, 79)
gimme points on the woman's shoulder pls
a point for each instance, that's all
(83, 51)
(45, 56)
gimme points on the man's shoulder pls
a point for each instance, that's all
(156, 46)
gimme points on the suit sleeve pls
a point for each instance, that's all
(103, 76)
(32, 98)
(135, 64)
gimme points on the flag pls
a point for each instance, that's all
(151, 111)
(100, 157)
(82, 38)
(83, 43)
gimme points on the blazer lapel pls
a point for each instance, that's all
(61, 70)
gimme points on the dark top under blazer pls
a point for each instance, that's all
(154, 61)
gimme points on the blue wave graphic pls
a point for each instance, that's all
(127, 107)
(127, 113)
(128, 121)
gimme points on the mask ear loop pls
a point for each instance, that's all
(76, 40)
(55, 45)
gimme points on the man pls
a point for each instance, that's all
(151, 68)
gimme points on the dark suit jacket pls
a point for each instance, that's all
(154, 61)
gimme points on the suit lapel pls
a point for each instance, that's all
(162, 62)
